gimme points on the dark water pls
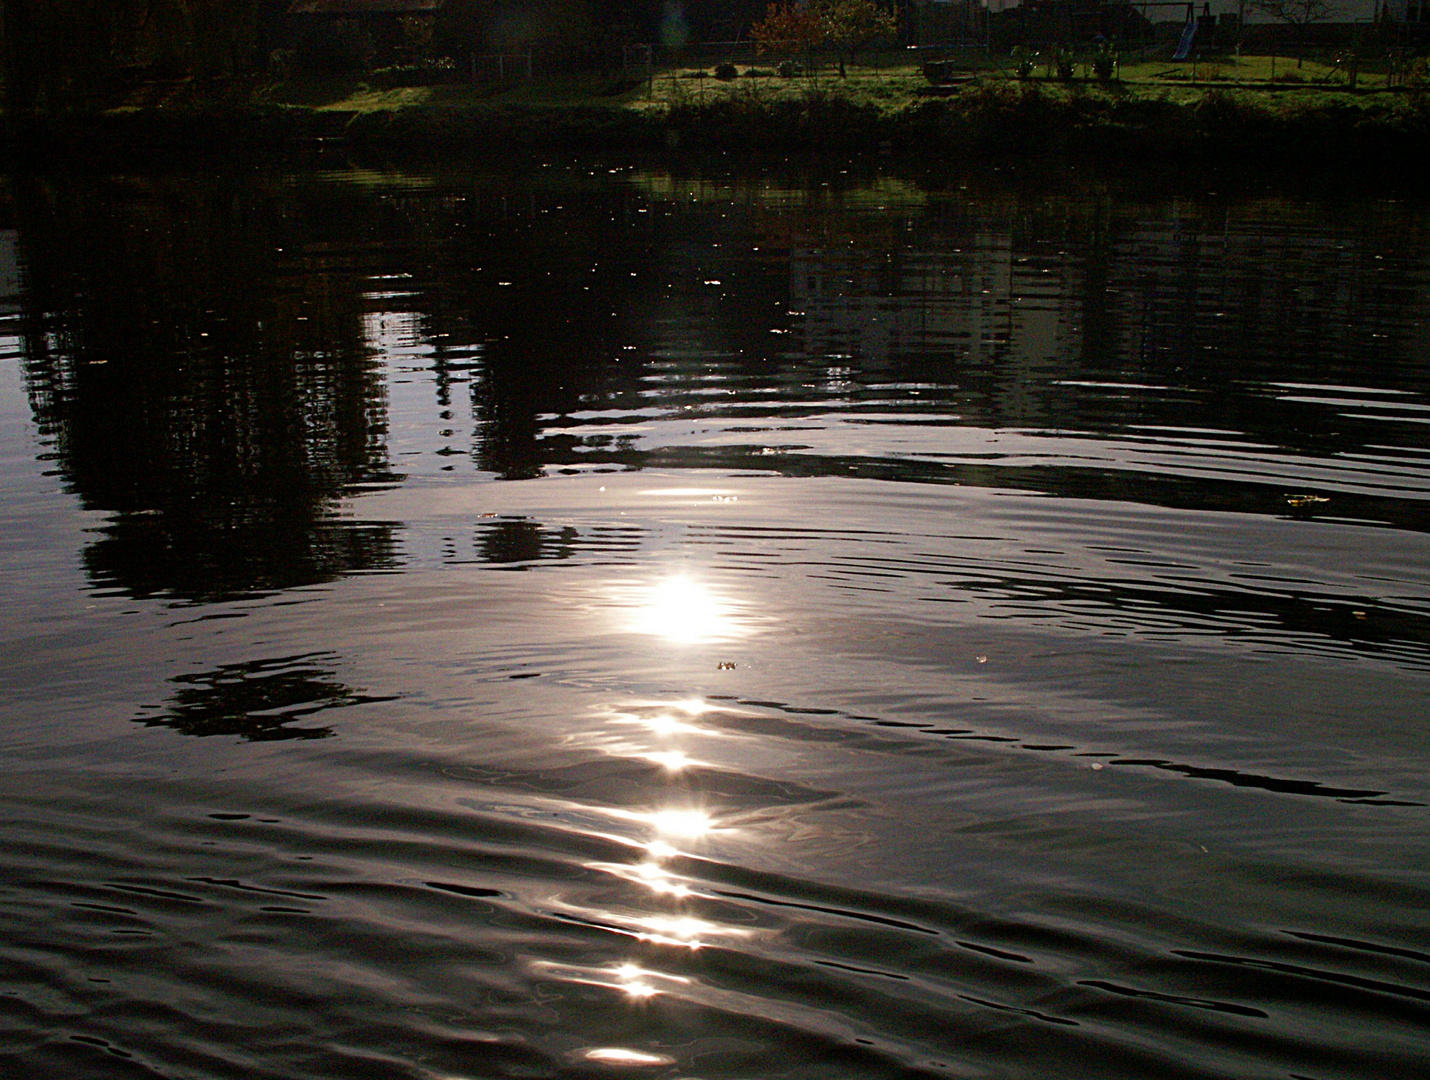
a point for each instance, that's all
(606, 621)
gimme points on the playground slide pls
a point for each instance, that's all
(1184, 47)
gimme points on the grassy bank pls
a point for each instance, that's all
(1152, 111)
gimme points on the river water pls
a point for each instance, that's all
(613, 619)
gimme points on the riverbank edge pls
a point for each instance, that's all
(1006, 119)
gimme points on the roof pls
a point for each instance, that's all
(364, 7)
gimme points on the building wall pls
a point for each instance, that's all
(1350, 10)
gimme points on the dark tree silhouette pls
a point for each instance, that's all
(1299, 14)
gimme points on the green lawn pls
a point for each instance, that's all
(887, 88)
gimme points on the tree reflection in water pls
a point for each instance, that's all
(515, 542)
(258, 700)
(213, 398)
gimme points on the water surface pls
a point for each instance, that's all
(599, 619)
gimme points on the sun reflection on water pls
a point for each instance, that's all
(686, 824)
(673, 824)
(630, 979)
(684, 611)
(620, 1055)
(649, 874)
(635, 980)
(673, 760)
(664, 718)
(660, 880)
(669, 827)
(683, 930)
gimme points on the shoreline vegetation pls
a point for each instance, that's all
(1308, 119)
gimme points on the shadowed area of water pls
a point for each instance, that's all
(596, 619)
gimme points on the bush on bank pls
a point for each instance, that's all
(991, 117)
(1006, 117)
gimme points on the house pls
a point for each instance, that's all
(385, 31)
(1077, 22)
(1404, 11)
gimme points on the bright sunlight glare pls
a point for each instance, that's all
(619, 1055)
(673, 760)
(684, 612)
(687, 824)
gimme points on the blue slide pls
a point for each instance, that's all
(1189, 35)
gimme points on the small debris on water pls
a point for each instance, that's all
(1096, 765)
(725, 665)
(981, 659)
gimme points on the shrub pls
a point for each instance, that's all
(726, 71)
(788, 69)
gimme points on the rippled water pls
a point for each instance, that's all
(606, 620)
